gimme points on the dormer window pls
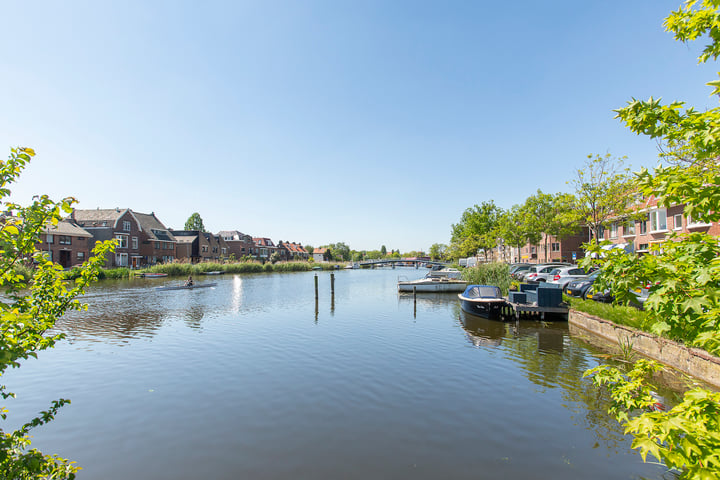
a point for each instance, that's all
(126, 226)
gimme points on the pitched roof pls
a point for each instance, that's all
(106, 217)
(154, 228)
(65, 227)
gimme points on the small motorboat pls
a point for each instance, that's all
(432, 283)
(188, 287)
(153, 275)
(482, 300)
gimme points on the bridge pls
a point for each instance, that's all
(395, 261)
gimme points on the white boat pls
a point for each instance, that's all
(433, 283)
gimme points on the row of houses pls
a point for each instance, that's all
(652, 225)
(143, 240)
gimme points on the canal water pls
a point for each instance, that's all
(253, 379)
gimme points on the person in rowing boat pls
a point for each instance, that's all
(189, 282)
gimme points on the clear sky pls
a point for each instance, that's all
(365, 122)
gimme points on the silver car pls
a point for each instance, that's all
(564, 275)
(538, 272)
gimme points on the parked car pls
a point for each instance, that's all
(518, 270)
(579, 288)
(563, 275)
(537, 272)
(641, 294)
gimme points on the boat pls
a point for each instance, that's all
(482, 300)
(153, 275)
(188, 287)
(432, 283)
(444, 272)
(214, 272)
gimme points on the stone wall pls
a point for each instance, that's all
(692, 361)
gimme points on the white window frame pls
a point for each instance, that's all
(677, 225)
(629, 229)
(658, 220)
(121, 259)
(134, 243)
(614, 230)
(693, 224)
(127, 226)
(122, 241)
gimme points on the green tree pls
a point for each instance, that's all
(383, 251)
(476, 230)
(29, 309)
(515, 227)
(437, 251)
(603, 193)
(310, 249)
(195, 222)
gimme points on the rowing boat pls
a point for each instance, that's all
(188, 287)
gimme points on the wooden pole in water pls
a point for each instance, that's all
(332, 283)
(316, 286)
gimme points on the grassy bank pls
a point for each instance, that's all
(186, 269)
(627, 316)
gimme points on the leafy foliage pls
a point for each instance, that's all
(476, 230)
(602, 192)
(30, 306)
(686, 438)
(195, 222)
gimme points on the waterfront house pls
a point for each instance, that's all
(264, 248)
(321, 254)
(193, 245)
(142, 239)
(65, 243)
(238, 244)
(292, 251)
(113, 224)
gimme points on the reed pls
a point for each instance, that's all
(496, 274)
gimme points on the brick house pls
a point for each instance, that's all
(66, 244)
(567, 249)
(291, 251)
(637, 235)
(264, 248)
(118, 224)
(157, 243)
(142, 239)
(198, 246)
(238, 244)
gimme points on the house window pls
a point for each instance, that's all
(134, 243)
(643, 227)
(614, 230)
(122, 241)
(64, 240)
(629, 228)
(224, 251)
(126, 225)
(121, 259)
(81, 256)
(677, 221)
(49, 238)
(696, 223)
(658, 220)
(556, 246)
(643, 247)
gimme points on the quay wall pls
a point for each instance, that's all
(691, 361)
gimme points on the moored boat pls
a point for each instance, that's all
(482, 300)
(432, 284)
(153, 275)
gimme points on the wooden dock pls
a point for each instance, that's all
(533, 310)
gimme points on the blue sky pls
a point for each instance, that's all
(365, 122)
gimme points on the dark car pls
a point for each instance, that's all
(579, 288)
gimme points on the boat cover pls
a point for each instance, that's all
(482, 291)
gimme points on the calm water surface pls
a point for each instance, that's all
(251, 380)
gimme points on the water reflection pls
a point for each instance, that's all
(483, 332)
